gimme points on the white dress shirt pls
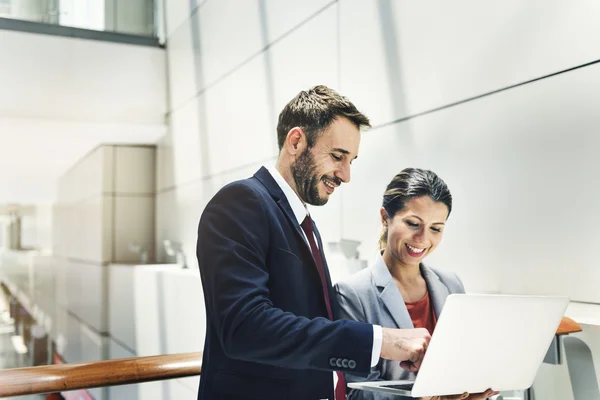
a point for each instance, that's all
(300, 212)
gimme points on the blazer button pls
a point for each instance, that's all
(345, 363)
(332, 361)
(351, 364)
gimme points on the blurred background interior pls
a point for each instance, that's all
(120, 119)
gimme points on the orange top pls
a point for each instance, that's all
(422, 314)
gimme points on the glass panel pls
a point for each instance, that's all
(86, 14)
(135, 17)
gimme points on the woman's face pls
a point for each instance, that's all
(415, 231)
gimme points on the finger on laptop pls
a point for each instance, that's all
(413, 364)
(489, 393)
(484, 395)
(404, 344)
(409, 366)
(450, 397)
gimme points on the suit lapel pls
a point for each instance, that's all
(438, 292)
(285, 207)
(264, 176)
(390, 295)
(392, 299)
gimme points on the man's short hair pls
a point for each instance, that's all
(314, 110)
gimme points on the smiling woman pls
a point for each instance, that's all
(399, 290)
(416, 205)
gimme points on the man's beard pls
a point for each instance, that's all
(304, 172)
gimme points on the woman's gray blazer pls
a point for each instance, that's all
(371, 296)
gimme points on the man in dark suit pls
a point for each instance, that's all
(270, 305)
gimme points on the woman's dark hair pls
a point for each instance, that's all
(409, 184)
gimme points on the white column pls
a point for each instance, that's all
(2, 235)
(15, 232)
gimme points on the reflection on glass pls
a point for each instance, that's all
(135, 17)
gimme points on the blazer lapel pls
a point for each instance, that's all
(284, 205)
(264, 176)
(438, 292)
(390, 295)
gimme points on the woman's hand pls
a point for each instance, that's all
(465, 396)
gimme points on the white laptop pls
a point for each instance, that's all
(481, 342)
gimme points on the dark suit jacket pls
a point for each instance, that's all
(268, 336)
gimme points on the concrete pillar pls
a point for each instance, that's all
(15, 232)
(2, 235)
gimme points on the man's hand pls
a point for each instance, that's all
(465, 396)
(406, 345)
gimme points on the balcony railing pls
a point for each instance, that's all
(66, 377)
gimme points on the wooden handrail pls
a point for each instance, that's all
(567, 325)
(65, 377)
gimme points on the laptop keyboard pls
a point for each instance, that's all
(405, 386)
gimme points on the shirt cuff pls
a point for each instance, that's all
(377, 343)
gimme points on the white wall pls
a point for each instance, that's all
(28, 232)
(36, 227)
(149, 315)
(43, 218)
(61, 97)
(513, 159)
(64, 78)
(106, 202)
(521, 163)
